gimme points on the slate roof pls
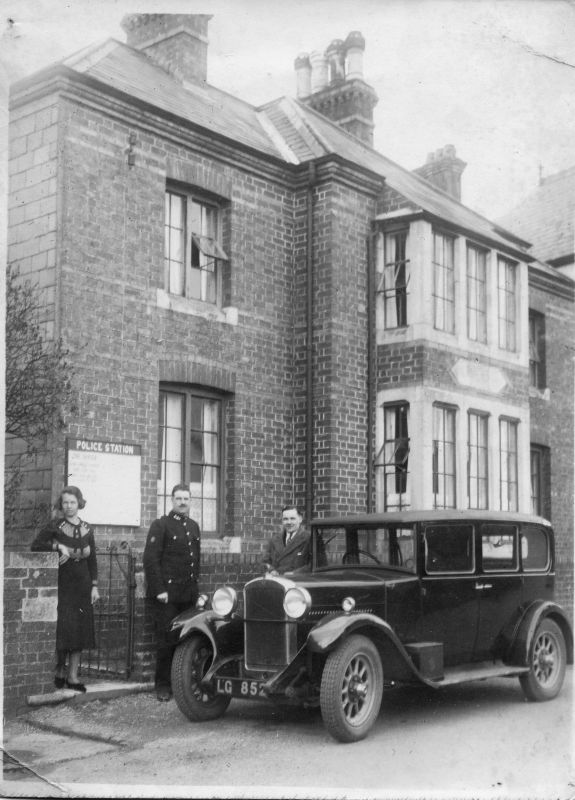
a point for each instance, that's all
(285, 129)
(547, 217)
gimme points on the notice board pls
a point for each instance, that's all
(109, 476)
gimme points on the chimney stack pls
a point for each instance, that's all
(443, 169)
(176, 42)
(336, 87)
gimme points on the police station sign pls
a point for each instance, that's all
(109, 475)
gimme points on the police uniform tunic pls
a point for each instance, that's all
(172, 558)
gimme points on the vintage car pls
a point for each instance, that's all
(413, 597)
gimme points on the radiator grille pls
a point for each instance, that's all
(270, 639)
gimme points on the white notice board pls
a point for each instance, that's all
(109, 476)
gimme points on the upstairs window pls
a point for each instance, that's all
(393, 457)
(508, 480)
(507, 304)
(537, 377)
(393, 278)
(444, 282)
(443, 457)
(193, 255)
(476, 294)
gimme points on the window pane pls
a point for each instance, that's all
(394, 279)
(444, 457)
(444, 282)
(476, 294)
(174, 410)
(196, 449)
(449, 548)
(508, 465)
(477, 461)
(499, 548)
(195, 284)
(392, 459)
(534, 548)
(507, 304)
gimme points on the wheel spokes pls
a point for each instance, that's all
(544, 658)
(355, 688)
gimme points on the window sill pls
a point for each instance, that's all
(196, 308)
(540, 394)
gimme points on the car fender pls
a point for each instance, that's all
(525, 631)
(225, 634)
(332, 630)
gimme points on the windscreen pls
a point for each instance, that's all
(352, 547)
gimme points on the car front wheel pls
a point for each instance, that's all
(190, 663)
(547, 660)
(351, 689)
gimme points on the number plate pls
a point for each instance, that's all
(238, 687)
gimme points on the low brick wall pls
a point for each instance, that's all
(30, 605)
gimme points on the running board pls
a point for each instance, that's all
(478, 672)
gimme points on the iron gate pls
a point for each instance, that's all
(113, 615)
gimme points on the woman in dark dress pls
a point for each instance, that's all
(73, 539)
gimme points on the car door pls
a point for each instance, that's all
(449, 600)
(499, 584)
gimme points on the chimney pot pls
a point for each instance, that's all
(303, 75)
(354, 47)
(318, 71)
(335, 57)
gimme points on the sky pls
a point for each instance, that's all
(495, 78)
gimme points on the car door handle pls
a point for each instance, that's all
(480, 586)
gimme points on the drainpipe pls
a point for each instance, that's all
(371, 367)
(309, 346)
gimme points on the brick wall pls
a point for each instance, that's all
(552, 415)
(32, 243)
(30, 603)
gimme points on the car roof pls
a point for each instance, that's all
(409, 517)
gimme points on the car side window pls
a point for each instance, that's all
(499, 548)
(449, 548)
(534, 549)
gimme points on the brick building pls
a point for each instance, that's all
(547, 216)
(260, 304)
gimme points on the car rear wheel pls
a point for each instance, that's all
(547, 661)
(190, 663)
(351, 689)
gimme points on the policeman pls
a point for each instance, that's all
(171, 565)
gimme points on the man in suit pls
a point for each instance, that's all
(291, 547)
(172, 566)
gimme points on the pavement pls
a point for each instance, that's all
(31, 740)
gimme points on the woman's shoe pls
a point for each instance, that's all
(59, 683)
(77, 687)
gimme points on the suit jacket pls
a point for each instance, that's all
(285, 558)
(172, 558)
